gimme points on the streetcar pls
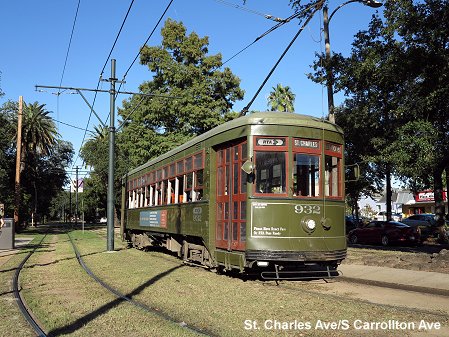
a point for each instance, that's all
(263, 193)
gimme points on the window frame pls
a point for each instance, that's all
(312, 150)
(332, 149)
(283, 148)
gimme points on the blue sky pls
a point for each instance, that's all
(35, 37)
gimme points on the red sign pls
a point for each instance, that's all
(427, 196)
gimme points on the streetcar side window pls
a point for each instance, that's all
(306, 175)
(270, 172)
(333, 170)
(331, 181)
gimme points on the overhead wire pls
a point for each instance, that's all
(144, 44)
(66, 59)
(246, 108)
(276, 26)
(243, 8)
(100, 79)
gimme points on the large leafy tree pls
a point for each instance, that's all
(424, 29)
(201, 94)
(281, 99)
(397, 83)
(190, 94)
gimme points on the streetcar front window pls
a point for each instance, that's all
(270, 172)
(306, 175)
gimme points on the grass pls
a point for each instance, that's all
(67, 301)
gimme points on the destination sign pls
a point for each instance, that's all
(333, 147)
(270, 142)
(313, 144)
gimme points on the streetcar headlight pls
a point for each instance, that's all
(310, 224)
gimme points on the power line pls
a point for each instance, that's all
(246, 108)
(146, 41)
(266, 16)
(276, 26)
(116, 39)
(70, 42)
(100, 79)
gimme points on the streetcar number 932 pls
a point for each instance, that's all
(307, 209)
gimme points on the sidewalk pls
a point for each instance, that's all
(422, 281)
(18, 245)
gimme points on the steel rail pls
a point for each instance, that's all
(138, 304)
(19, 299)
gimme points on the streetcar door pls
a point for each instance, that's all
(231, 197)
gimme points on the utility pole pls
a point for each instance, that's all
(18, 160)
(113, 93)
(76, 197)
(329, 73)
(111, 168)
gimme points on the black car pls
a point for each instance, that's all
(426, 223)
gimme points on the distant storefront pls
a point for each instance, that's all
(423, 202)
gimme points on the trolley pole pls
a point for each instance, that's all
(111, 168)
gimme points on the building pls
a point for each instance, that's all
(423, 202)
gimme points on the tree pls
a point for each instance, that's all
(202, 95)
(191, 95)
(396, 76)
(424, 29)
(43, 161)
(7, 156)
(281, 99)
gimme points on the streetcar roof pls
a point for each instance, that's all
(256, 118)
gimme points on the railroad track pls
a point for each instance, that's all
(40, 330)
(26, 313)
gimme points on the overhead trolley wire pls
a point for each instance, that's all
(266, 16)
(144, 44)
(316, 9)
(67, 57)
(116, 39)
(70, 43)
(276, 26)
(100, 78)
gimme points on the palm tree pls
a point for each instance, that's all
(39, 136)
(281, 99)
(39, 132)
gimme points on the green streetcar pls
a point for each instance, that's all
(263, 193)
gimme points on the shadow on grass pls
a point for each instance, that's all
(82, 321)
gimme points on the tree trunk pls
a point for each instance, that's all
(388, 191)
(439, 201)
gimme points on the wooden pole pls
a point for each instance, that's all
(18, 158)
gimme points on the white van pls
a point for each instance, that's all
(382, 216)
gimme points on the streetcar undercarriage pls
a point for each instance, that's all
(264, 264)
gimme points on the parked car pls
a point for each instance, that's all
(385, 233)
(352, 222)
(382, 216)
(426, 223)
